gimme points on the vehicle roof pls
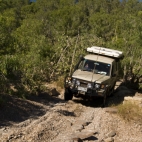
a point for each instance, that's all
(99, 58)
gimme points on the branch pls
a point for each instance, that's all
(74, 53)
(59, 60)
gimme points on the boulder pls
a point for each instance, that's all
(110, 139)
(82, 135)
(111, 134)
(79, 125)
(136, 100)
(110, 110)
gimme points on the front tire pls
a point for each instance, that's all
(112, 90)
(68, 95)
(105, 97)
(104, 100)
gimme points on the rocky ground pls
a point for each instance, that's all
(48, 118)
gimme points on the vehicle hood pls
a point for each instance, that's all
(90, 76)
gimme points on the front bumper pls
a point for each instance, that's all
(87, 91)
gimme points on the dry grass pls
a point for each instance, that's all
(130, 111)
(60, 82)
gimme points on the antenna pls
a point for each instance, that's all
(95, 64)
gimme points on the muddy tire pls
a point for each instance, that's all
(104, 101)
(107, 93)
(112, 90)
(68, 95)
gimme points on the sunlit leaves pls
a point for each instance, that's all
(41, 40)
(8, 24)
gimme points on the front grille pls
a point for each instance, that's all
(83, 84)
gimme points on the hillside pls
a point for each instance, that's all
(42, 40)
(45, 118)
(40, 43)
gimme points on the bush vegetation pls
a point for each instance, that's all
(130, 112)
(39, 41)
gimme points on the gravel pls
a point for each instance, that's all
(60, 121)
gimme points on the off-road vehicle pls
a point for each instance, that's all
(95, 74)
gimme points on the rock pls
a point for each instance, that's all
(111, 110)
(81, 122)
(138, 94)
(5, 129)
(109, 139)
(112, 134)
(11, 136)
(136, 100)
(79, 125)
(82, 135)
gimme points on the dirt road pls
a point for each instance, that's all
(50, 119)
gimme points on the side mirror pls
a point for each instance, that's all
(81, 57)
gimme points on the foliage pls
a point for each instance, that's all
(40, 41)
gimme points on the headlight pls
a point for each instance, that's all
(89, 85)
(100, 86)
(78, 82)
(97, 86)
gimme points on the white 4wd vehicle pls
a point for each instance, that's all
(95, 74)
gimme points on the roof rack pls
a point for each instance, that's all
(105, 51)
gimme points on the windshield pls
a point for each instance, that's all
(95, 66)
